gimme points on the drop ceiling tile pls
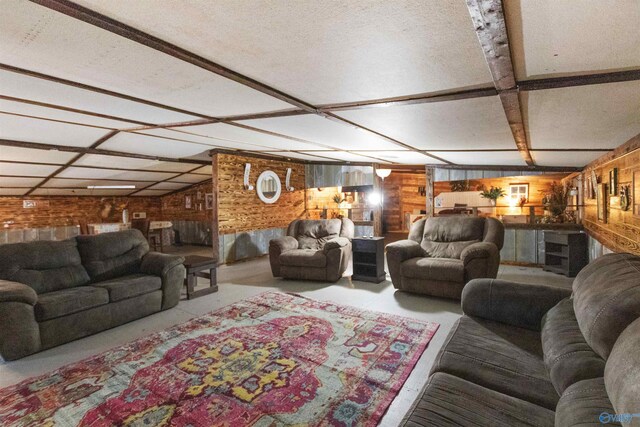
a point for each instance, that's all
(344, 156)
(48, 132)
(560, 158)
(230, 136)
(319, 52)
(150, 193)
(323, 131)
(478, 123)
(45, 91)
(402, 157)
(84, 183)
(19, 154)
(132, 163)
(171, 186)
(10, 181)
(206, 170)
(13, 191)
(40, 39)
(550, 38)
(190, 178)
(79, 192)
(179, 134)
(299, 156)
(18, 169)
(152, 146)
(502, 158)
(85, 173)
(595, 116)
(22, 108)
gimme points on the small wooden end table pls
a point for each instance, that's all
(196, 266)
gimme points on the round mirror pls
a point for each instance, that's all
(268, 187)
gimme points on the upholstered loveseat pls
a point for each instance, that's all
(443, 253)
(55, 292)
(535, 355)
(313, 250)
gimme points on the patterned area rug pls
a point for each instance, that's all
(274, 359)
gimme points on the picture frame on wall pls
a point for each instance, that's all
(187, 202)
(208, 201)
(602, 198)
(635, 193)
(613, 182)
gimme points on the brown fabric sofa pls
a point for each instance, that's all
(55, 292)
(535, 355)
(443, 253)
(313, 250)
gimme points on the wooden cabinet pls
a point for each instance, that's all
(565, 252)
(368, 259)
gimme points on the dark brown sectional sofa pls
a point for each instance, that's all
(534, 355)
(55, 292)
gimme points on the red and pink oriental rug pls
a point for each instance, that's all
(274, 359)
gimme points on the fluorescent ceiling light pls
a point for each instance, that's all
(109, 187)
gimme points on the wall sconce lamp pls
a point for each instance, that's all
(287, 181)
(247, 171)
(383, 173)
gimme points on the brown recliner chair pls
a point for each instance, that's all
(443, 253)
(313, 250)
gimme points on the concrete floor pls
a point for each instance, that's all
(244, 279)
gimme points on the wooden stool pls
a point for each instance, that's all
(196, 266)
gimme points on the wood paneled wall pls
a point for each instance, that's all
(621, 231)
(64, 211)
(401, 196)
(242, 210)
(173, 205)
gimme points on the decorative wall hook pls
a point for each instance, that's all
(247, 171)
(287, 181)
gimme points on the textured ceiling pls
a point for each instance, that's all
(77, 100)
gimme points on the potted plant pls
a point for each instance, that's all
(493, 194)
(556, 200)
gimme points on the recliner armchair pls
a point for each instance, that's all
(443, 253)
(313, 250)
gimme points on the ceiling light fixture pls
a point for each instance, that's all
(383, 173)
(110, 187)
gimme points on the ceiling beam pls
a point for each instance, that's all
(579, 80)
(164, 180)
(71, 161)
(491, 29)
(89, 150)
(100, 90)
(533, 168)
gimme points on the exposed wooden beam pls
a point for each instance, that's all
(99, 90)
(491, 29)
(579, 80)
(531, 168)
(411, 99)
(89, 150)
(17, 162)
(72, 161)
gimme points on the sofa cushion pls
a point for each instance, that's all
(130, 286)
(567, 355)
(304, 258)
(446, 237)
(503, 358)
(46, 266)
(622, 373)
(453, 401)
(443, 269)
(606, 299)
(68, 301)
(110, 255)
(585, 403)
(312, 234)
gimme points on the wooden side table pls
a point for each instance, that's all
(368, 259)
(565, 252)
(196, 266)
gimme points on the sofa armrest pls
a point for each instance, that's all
(479, 250)
(481, 260)
(158, 264)
(517, 304)
(283, 244)
(397, 253)
(337, 243)
(17, 292)
(19, 330)
(171, 270)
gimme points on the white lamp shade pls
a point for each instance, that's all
(383, 173)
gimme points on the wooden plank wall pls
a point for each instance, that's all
(621, 232)
(401, 196)
(67, 211)
(173, 205)
(241, 210)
